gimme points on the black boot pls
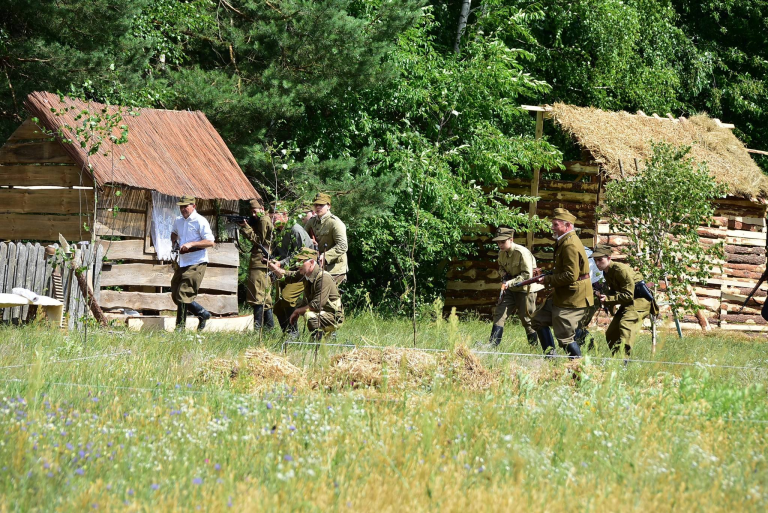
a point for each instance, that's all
(533, 339)
(583, 338)
(284, 318)
(269, 320)
(201, 313)
(547, 341)
(181, 317)
(258, 317)
(573, 350)
(496, 333)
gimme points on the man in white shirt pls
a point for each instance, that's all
(193, 234)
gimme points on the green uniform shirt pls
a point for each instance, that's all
(262, 234)
(517, 264)
(621, 280)
(320, 291)
(331, 236)
(570, 263)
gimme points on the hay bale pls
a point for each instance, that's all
(464, 367)
(366, 368)
(218, 370)
(266, 370)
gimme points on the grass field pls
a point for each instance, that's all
(138, 430)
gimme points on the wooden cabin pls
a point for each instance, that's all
(613, 146)
(126, 193)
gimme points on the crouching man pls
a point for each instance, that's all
(321, 304)
(193, 234)
(621, 282)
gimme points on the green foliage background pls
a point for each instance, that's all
(367, 98)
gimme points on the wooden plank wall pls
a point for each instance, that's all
(30, 160)
(22, 265)
(473, 283)
(132, 278)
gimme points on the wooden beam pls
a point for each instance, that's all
(143, 323)
(536, 108)
(28, 131)
(224, 254)
(214, 303)
(576, 197)
(35, 175)
(41, 227)
(757, 152)
(576, 167)
(536, 176)
(222, 279)
(38, 152)
(723, 125)
(46, 201)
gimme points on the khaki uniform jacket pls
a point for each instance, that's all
(517, 264)
(331, 236)
(570, 263)
(262, 234)
(320, 292)
(621, 280)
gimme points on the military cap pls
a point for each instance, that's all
(322, 199)
(602, 250)
(563, 215)
(503, 234)
(303, 255)
(186, 200)
(256, 203)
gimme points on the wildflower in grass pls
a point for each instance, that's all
(79, 472)
(288, 457)
(217, 466)
(154, 486)
(197, 481)
(130, 492)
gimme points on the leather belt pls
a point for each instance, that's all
(583, 277)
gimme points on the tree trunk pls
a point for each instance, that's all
(85, 289)
(465, 4)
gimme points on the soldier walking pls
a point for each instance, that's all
(621, 282)
(192, 234)
(572, 293)
(516, 264)
(331, 237)
(321, 304)
(258, 287)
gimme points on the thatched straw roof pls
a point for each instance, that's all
(172, 152)
(614, 136)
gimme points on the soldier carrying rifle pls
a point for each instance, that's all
(516, 264)
(625, 288)
(259, 231)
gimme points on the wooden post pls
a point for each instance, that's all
(85, 289)
(536, 178)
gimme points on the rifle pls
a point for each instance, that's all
(503, 290)
(533, 279)
(237, 219)
(264, 251)
(759, 282)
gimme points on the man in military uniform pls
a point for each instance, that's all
(572, 293)
(293, 240)
(321, 304)
(258, 287)
(516, 264)
(620, 283)
(331, 237)
(192, 234)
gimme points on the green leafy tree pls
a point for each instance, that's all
(661, 210)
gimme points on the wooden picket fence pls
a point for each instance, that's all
(25, 265)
